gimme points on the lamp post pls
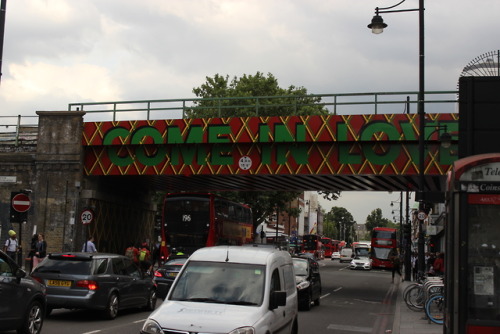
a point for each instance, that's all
(377, 25)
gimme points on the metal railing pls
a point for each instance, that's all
(348, 103)
(19, 130)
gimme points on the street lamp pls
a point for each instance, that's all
(377, 26)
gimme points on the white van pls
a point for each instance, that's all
(346, 255)
(230, 289)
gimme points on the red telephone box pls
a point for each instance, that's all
(472, 279)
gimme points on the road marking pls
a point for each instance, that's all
(324, 296)
(337, 289)
(92, 332)
(350, 328)
(138, 321)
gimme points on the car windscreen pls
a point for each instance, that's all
(58, 266)
(214, 282)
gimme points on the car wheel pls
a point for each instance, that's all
(33, 322)
(317, 301)
(306, 306)
(151, 304)
(111, 310)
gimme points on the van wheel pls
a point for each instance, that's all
(295, 327)
(111, 310)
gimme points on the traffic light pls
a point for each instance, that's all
(407, 231)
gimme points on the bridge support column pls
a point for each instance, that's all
(58, 177)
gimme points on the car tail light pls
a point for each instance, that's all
(87, 284)
(38, 279)
(158, 274)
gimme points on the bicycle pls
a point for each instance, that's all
(434, 309)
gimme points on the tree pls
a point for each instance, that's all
(237, 98)
(375, 219)
(343, 222)
(222, 97)
(264, 203)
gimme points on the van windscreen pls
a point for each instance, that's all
(215, 282)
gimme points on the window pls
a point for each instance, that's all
(275, 281)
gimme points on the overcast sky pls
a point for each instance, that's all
(62, 51)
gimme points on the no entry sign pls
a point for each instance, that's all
(21, 202)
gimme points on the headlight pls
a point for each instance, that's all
(151, 327)
(303, 285)
(243, 330)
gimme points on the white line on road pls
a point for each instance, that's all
(92, 332)
(324, 296)
(350, 328)
(337, 289)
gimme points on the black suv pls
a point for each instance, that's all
(22, 305)
(308, 281)
(96, 281)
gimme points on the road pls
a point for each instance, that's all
(352, 302)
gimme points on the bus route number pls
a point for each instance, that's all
(186, 218)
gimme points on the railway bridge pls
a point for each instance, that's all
(110, 159)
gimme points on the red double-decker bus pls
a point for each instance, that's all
(330, 246)
(384, 240)
(195, 220)
(312, 244)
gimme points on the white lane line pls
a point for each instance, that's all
(337, 289)
(92, 332)
(350, 328)
(324, 296)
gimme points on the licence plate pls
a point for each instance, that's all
(172, 274)
(53, 282)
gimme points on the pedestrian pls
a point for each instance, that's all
(132, 253)
(31, 253)
(156, 254)
(145, 258)
(439, 265)
(89, 246)
(40, 250)
(396, 264)
(12, 246)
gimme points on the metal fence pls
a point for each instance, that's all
(18, 130)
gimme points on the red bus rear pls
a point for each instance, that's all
(194, 220)
(312, 244)
(384, 240)
(327, 246)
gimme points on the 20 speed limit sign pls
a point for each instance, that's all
(87, 216)
(421, 215)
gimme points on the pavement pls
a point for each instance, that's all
(407, 321)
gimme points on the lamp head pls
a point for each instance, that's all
(377, 26)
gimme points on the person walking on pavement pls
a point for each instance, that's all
(12, 246)
(396, 264)
(89, 246)
(40, 250)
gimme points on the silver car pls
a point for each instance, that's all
(361, 262)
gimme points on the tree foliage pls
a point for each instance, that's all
(222, 97)
(375, 219)
(343, 224)
(265, 203)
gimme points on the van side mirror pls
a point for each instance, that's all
(278, 298)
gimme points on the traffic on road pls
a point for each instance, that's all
(351, 301)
